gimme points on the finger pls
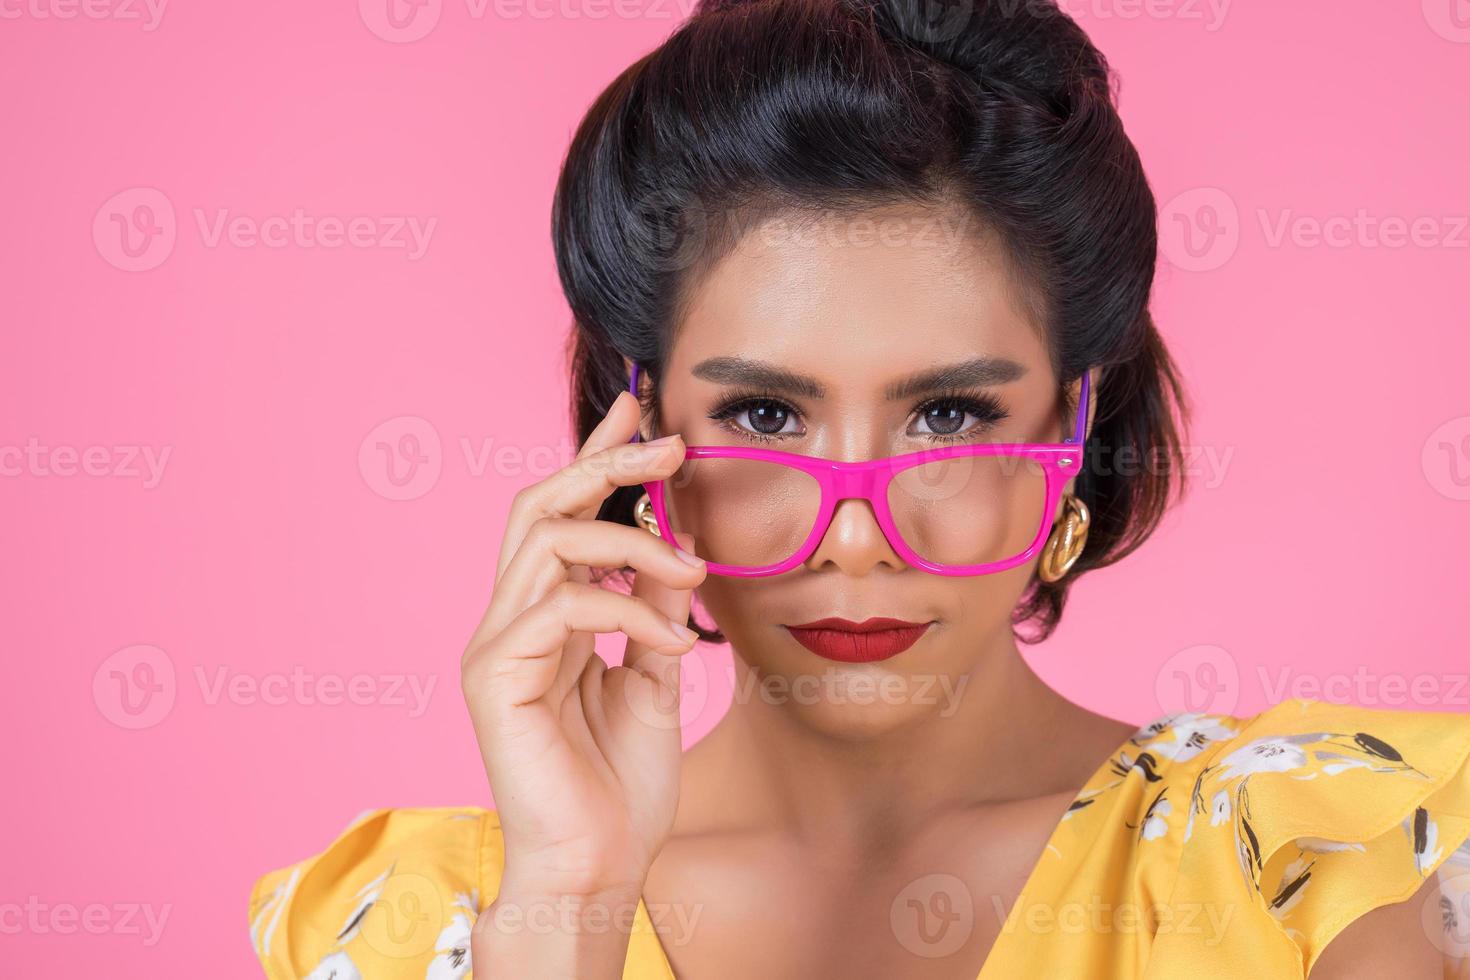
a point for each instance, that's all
(673, 599)
(519, 664)
(616, 427)
(584, 483)
(554, 547)
(667, 570)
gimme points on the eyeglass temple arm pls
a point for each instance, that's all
(633, 387)
(1079, 435)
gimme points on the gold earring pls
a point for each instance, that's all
(1067, 540)
(643, 511)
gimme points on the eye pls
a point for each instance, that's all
(757, 416)
(946, 417)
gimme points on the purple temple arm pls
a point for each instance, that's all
(633, 387)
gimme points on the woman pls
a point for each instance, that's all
(813, 235)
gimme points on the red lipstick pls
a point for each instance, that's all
(858, 643)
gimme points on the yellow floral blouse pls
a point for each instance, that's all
(1207, 846)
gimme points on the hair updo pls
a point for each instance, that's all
(754, 106)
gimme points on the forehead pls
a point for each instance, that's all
(858, 298)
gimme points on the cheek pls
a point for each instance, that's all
(980, 605)
(739, 608)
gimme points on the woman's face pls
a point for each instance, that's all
(850, 306)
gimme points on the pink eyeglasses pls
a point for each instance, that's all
(953, 510)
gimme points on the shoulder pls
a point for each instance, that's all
(1292, 824)
(394, 894)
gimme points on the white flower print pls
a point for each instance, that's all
(1263, 755)
(452, 949)
(1146, 764)
(1294, 879)
(264, 926)
(1343, 763)
(335, 966)
(1154, 824)
(1220, 808)
(367, 897)
(1189, 736)
(1423, 833)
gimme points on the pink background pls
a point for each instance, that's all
(1326, 539)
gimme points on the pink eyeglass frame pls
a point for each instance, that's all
(868, 480)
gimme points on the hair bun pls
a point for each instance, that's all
(711, 6)
(1029, 51)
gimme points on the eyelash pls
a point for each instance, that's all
(983, 406)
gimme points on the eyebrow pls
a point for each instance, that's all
(758, 374)
(975, 372)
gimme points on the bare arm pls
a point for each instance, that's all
(1389, 941)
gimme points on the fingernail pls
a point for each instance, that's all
(683, 632)
(663, 441)
(689, 558)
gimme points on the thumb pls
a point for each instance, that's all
(657, 700)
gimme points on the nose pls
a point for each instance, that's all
(854, 542)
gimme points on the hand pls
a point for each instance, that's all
(583, 758)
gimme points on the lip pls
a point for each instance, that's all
(845, 641)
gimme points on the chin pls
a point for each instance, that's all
(855, 701)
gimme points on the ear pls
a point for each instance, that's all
(644, 429)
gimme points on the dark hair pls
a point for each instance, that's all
(1003, 106)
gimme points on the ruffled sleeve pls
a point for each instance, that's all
(395, 895)
(1311, 815)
